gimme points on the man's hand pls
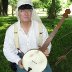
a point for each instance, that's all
(46, 52)
(20, 64)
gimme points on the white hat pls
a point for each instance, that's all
(22, 2)
(34, 14)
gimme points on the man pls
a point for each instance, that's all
(28, 34)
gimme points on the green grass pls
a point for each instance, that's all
(61, 43)
(5, 22)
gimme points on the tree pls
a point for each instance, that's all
(3, 7)
(0, 7)
(52, 6)
(45, 3)
(69, 2)
(13, 4)
(36, 3)
(52, 11)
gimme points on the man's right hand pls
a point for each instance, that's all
(20, 64)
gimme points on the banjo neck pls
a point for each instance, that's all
(51, 36)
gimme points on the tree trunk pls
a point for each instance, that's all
(0, 7)
(5, 7)
(12, 10)
(52, 12)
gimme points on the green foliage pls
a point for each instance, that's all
(42, 3)
(69, 2)
(37, 4)
(5, 22)
(61, 44)
(45, 3)
(53, 7)
(13, 3)
(57, 6)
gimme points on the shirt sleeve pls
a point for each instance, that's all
(9, 50)
(45, 36)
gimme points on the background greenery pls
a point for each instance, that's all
(61, 43)
(53, 7)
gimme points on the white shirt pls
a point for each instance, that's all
(26, 42)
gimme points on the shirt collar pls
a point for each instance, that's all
(19, 26)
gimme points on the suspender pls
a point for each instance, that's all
(16, 38)
(40, 37)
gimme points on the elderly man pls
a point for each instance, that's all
(27, 28)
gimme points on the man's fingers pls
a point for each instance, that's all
(20, 64)
(46, 52)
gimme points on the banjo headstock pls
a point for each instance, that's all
(67, 11)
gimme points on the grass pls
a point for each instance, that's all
(61, 43)
(5, 22)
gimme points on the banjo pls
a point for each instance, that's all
(35, 60)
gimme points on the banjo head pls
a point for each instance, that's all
(34, 61)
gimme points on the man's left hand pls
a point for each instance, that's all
(46, 52)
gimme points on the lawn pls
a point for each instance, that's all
(61, 43)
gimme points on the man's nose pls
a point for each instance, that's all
(26, 12)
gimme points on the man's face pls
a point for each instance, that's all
(25, 15)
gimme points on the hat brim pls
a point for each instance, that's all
(25, 6)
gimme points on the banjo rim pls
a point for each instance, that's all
(33, 50)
